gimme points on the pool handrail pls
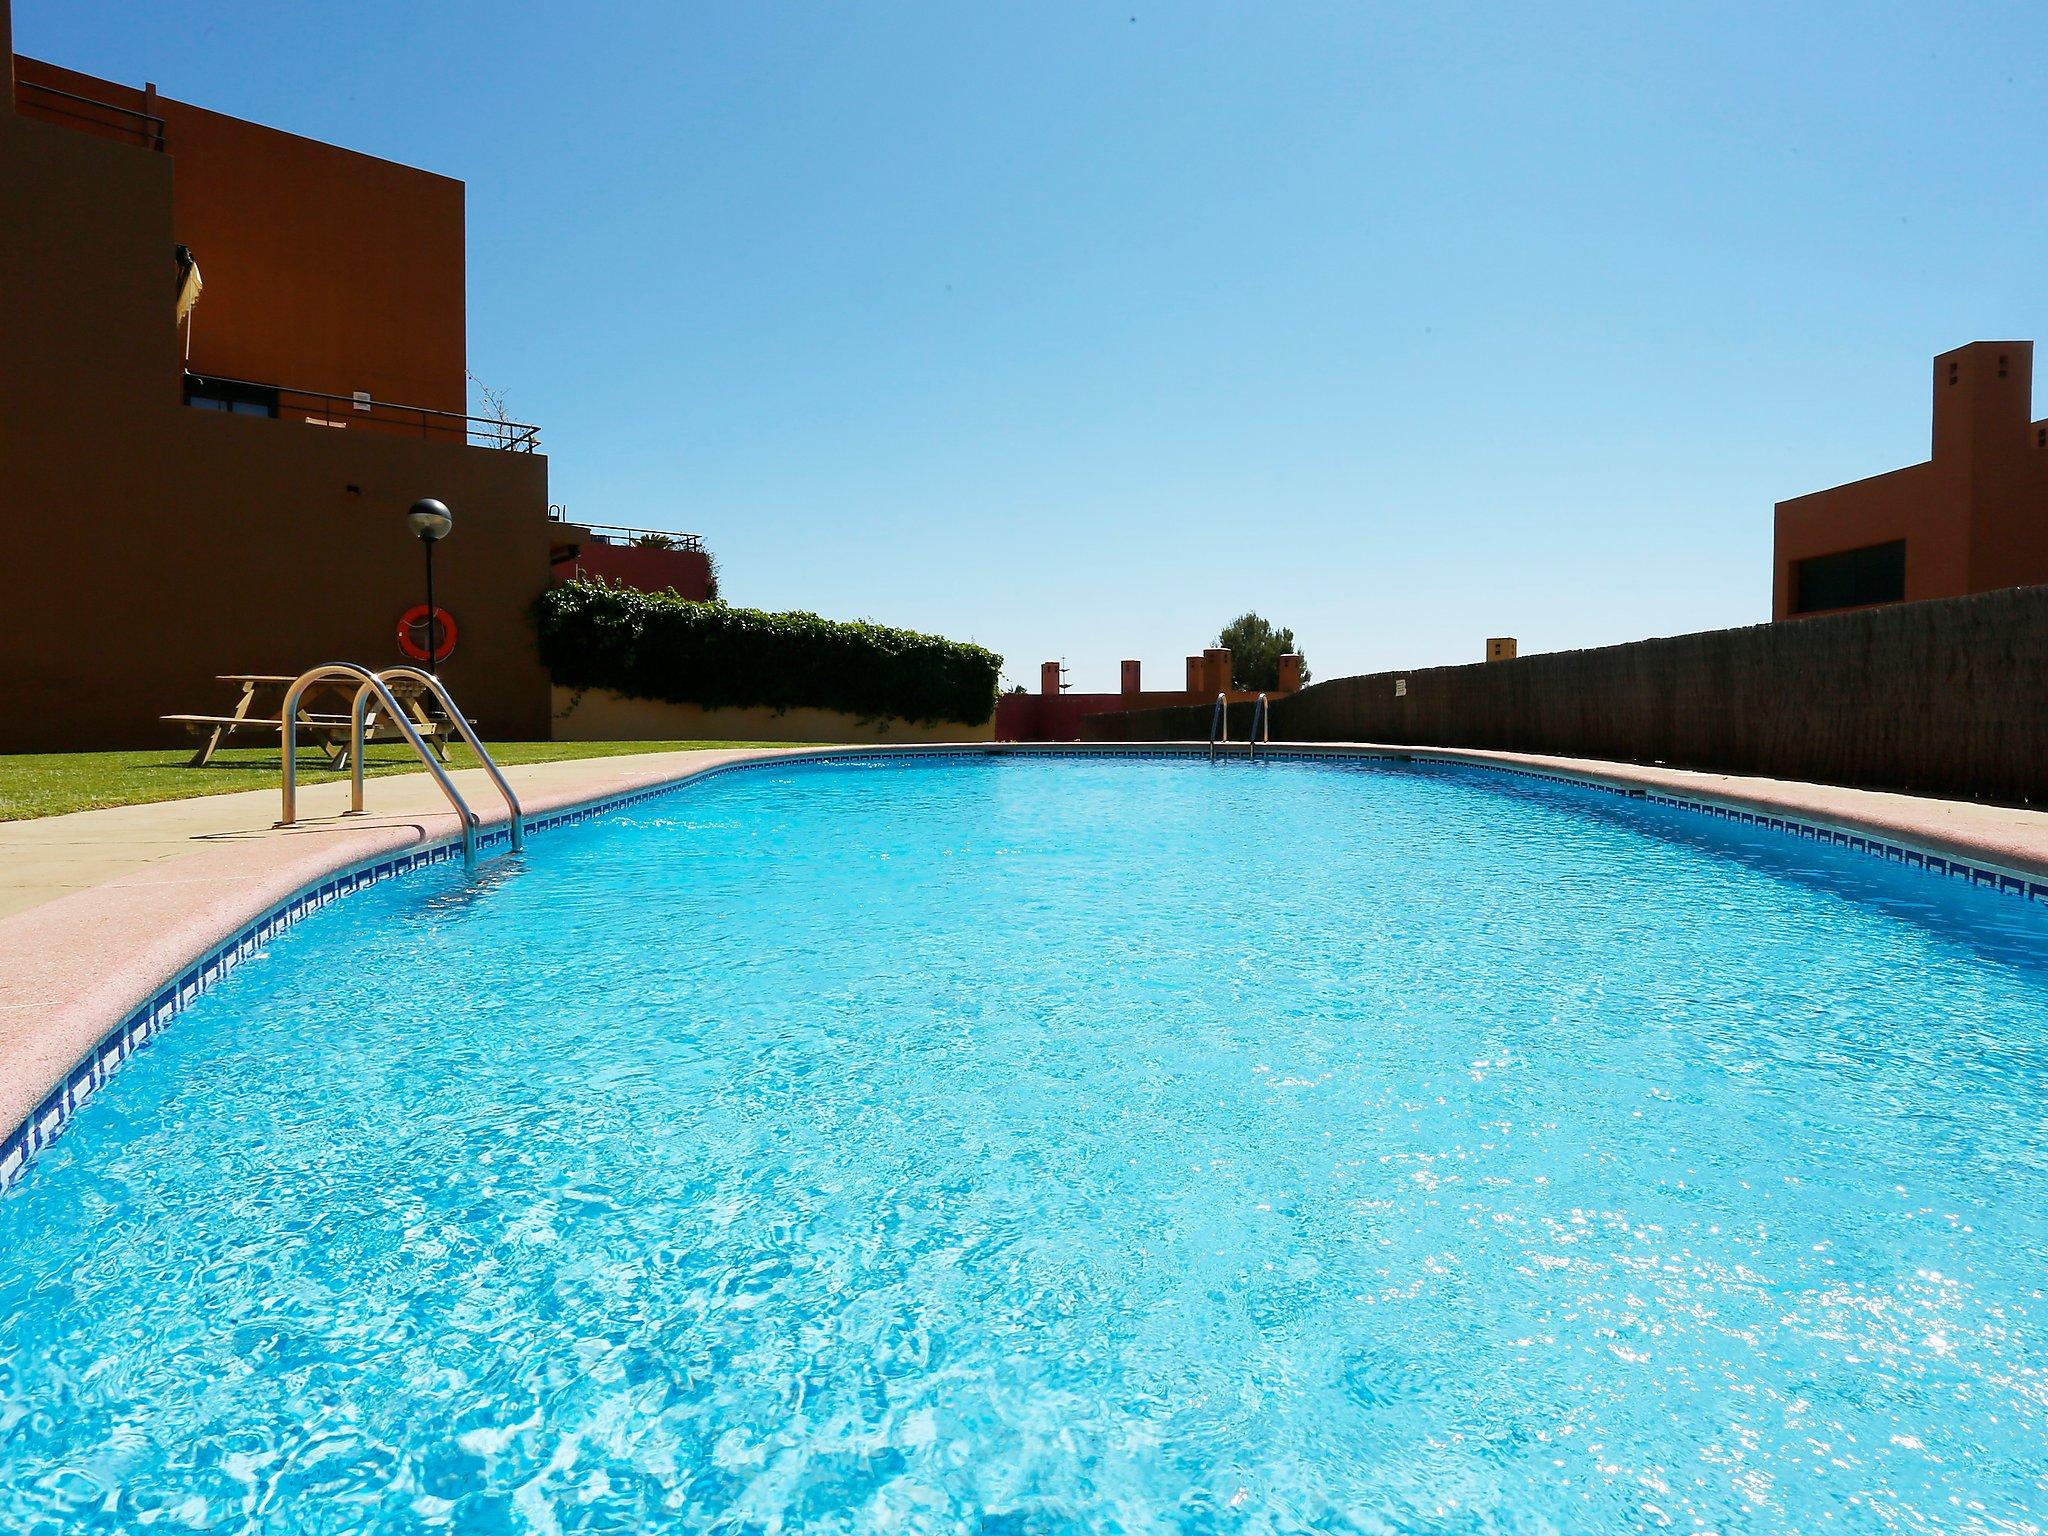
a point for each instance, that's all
(1261, 721)
(460, 721)
(366, 680)
(289, 741)
(1219, 724)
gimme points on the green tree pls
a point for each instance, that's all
(1255, 651)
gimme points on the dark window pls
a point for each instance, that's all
(229, 395)
(1855, 577)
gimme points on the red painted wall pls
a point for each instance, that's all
(688, 571)
(1047, 717)
(1050, 715)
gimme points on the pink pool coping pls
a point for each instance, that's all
(76, 967)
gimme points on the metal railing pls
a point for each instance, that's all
(370, 685)
(1262, 728)
(456, 718)
(1219, 724)
(342, 411)
(618, 534)
(144, 128)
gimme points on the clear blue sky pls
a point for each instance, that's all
(1077, 328)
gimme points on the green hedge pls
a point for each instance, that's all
(656, 645)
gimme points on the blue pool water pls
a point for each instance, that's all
(1031, 1146)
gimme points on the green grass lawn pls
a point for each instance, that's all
(51, 783)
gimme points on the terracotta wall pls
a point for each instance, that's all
(157, 545)
(1974, 517)
(1051, 715)
(1929, 697)
(324, 269)
(686, 571)
(1058, 717)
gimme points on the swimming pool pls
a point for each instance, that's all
(1029, 1145)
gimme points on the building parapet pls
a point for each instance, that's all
(637, 538)
(244, 397)
(67, 108)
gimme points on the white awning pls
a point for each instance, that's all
(188, 290)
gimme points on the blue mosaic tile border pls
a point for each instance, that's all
(1990, 876)
(150, 1019)
(141, 1027)
(1987, 875)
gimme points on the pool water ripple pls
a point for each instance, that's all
(1030, 1146)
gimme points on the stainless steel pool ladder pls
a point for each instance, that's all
(1219, 724)
(1262, 728)
(460, 721)
(372, 686)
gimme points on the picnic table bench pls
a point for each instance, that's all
(260, 708)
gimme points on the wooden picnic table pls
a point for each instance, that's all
(330, 726)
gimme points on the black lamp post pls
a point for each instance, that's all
(431, 522)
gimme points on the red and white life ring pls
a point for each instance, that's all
(414, 622)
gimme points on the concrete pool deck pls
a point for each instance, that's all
(99, 909)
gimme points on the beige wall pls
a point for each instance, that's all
(600, 715)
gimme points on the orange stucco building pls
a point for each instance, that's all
(221, 488)
(324, 270)
(1973, 518)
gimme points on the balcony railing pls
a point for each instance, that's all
(644, 538)
(46, 101)
(359, 412)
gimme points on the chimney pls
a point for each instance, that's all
(1049, 679)
(1131, 678)
(1218, 659)
(1290, 673)
(1983, 401)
